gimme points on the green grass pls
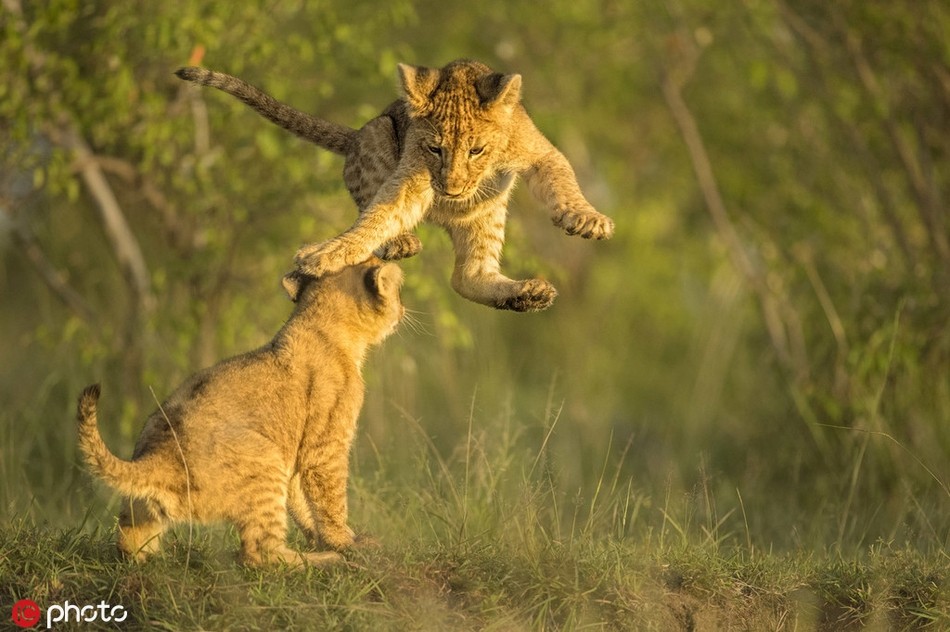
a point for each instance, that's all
(485, 581)
(488, 539)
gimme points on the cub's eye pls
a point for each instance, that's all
(475, 151)
(435, 149)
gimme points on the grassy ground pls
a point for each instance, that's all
(481, 582)
(472, 542)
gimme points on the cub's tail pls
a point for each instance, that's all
(336, 138)
(131, 479)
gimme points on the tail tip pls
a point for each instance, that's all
(90, 394)
(188, 73)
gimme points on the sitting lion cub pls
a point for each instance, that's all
(261, 433)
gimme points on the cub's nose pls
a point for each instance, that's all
(454, 190)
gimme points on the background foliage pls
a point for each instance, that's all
(766, 336)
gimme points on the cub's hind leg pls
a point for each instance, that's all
(140, 529)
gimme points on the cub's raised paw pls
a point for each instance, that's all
(401, 247)
(321, 259)
(587, 224)
(315, 265)
(307, 250)
(534, 296)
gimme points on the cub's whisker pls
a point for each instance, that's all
(416, 325)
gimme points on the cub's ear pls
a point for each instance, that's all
(383, 280)
(292, 282)
(418, 83)
(497, 89)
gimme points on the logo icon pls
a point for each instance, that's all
(26, 613)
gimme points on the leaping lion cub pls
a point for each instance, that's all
(261, 433)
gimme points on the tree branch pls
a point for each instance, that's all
(120, 236)
(179, 234)
(822, 71)
(778, 314)
(927, 200)
(67, 135)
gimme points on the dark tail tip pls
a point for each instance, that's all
(188, 73)
(86, 406)
(92, 391)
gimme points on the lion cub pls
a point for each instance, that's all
(448, 152)
(261, 433)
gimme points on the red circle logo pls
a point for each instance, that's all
(26, 613)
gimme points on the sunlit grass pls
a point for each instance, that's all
(486, 537)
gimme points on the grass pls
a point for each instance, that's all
(488, 539)
(486, 581)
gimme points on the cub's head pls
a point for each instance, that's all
(462, 120)
(363, 298)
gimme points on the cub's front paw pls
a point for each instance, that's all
(588, 224)
(401, 247)
(322, 259)
(309, 249)
(534, 295)
(338, 537)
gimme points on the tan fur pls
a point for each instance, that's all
(260, 434)
(448, 152)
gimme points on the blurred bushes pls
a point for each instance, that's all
(815, 379)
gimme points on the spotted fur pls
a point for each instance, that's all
(449, 152)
